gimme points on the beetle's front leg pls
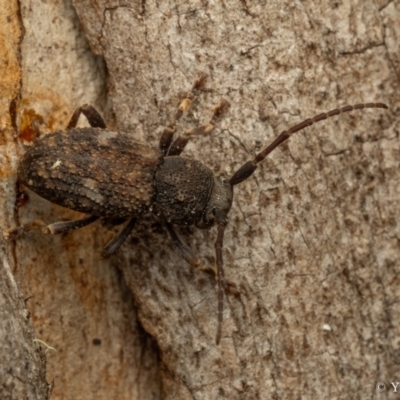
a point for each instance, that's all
(230, 287)
(180, 143)
(183, 247)
(168, 132)
(194, 261)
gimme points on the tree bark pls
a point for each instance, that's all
(22, 363)
(78, 304)
(312, 241)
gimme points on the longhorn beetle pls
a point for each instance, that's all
(109, 174)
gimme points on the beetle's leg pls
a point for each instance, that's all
(94, 118)
(168, 132)
(66, 226)
(218, 245)
(179, 144)
(53, 229)
(230, 287)
(115, 243)
(194, 261)
(183, 247)
(114, 221)
(13, 233)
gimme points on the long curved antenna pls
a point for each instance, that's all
(249, 167)
(221, 219)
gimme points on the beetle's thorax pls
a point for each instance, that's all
(182, 187)
(187, 192)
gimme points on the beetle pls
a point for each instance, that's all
(109, 174)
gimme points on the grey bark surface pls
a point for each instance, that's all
(312, 240)
(313, 237)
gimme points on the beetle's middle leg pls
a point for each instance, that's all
(115, 243)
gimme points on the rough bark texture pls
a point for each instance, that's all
(22, 363)
(313, 238)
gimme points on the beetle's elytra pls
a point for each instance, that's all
(77, 170)
(109, 174)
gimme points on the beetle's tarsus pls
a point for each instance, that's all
(14, 233)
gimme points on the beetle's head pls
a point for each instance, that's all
(220, 199)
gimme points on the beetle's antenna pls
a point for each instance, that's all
(248, 168)
(220, 216)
